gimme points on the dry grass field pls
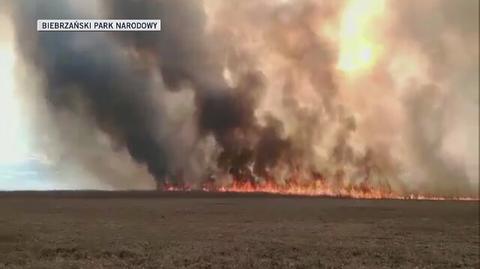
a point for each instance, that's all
(201, 230)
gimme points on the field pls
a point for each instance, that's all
(202, 230)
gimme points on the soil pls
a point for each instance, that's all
(208, 230)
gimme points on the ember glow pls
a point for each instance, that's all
(353, 98)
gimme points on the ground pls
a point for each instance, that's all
(198, 230)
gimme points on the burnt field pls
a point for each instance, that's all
(207, 230)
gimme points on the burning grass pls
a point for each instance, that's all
(313, 188)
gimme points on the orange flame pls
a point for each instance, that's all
(316, 188)
(363, 191)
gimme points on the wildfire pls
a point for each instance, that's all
(348, 130)
(355, 192)
(315, 188)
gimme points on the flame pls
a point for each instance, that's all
(358, 49)
(362, 191)
(319, 188)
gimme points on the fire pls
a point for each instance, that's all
(319, 188)
(361, 191)
(316, 188)
(358, 49)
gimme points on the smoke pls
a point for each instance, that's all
(252, 91)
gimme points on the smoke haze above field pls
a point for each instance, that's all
(384, 92)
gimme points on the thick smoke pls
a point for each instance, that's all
(250, 91)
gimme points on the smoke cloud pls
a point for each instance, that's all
(281, 93)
